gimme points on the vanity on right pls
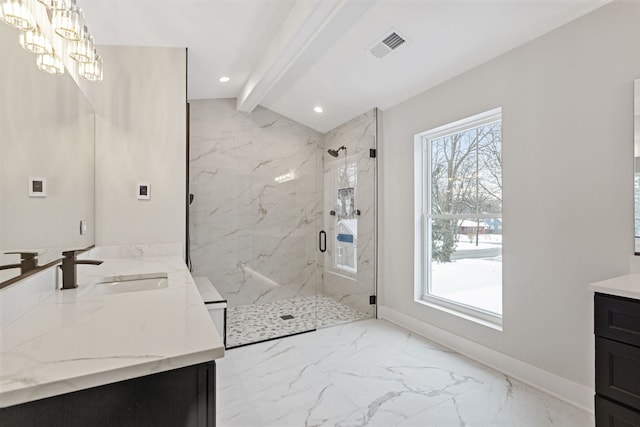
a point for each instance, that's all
(617, 351)
(617, 325)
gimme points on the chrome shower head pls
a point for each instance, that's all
(334, 153)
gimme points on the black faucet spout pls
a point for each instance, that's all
(89, 261)
(28, 262)
(69, 268)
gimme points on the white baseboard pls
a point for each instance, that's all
(566, 390)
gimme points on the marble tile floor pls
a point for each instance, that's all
(373, 373)
(258, 322)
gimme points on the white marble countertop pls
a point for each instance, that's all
(623, 286)
(74, 339)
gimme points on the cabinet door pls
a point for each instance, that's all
(618, 371)
(609, 414)
(617, 318)
(182, 397)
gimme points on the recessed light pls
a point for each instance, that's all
(224, 79)
(318, 109)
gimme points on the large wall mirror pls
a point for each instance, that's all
(636, 167)
(46, 160)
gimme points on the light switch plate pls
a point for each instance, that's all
(144, 191)
(83, 227)
(37, 186)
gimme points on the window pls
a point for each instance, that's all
(459, 216)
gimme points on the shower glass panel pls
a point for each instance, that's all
(255, 218)
(349, 218)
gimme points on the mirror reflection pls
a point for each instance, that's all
(46, 162)
(636, 168)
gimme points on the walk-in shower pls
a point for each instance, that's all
(267, 190)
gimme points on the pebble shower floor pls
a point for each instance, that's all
(259, 322)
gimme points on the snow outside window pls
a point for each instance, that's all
(460, 217)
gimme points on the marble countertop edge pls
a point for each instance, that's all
(53, 388)
(627, 286)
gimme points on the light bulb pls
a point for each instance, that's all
(35, 42)
(56, 4)
(49, 63)
(91, 71)
(84, 50)
(17, 14)
(69, 23)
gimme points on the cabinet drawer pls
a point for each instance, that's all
(609, 414)
(617, 318)
(618, 371)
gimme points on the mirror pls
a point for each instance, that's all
(46, 160)
(636, 167)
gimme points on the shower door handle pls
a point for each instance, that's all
(322, 241)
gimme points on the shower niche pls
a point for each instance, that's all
(345, 257)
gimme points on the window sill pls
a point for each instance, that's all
(433, 303)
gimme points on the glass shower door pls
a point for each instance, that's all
(278, 273)
(255, 217)
(348, 289)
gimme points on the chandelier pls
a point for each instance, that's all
(56, 32)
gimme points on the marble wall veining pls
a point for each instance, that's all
(263, 188)
(358, 136)
(256, 211)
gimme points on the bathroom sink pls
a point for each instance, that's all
(133, 283)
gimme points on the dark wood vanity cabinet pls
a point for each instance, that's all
(617, 360)
(179, 397)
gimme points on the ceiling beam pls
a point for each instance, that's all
(304, 23)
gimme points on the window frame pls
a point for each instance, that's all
(424, 217)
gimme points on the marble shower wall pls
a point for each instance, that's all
(254, 237)
(358, 136)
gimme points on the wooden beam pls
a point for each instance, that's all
(304, 23)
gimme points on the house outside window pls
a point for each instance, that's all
(459, 217)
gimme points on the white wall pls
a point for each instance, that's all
(140, 136)
(567, 101)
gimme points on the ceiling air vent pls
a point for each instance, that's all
(384, 47)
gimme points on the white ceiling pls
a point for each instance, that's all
(291, 55)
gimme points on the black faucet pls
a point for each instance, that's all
(69, 270)
(28, 262)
